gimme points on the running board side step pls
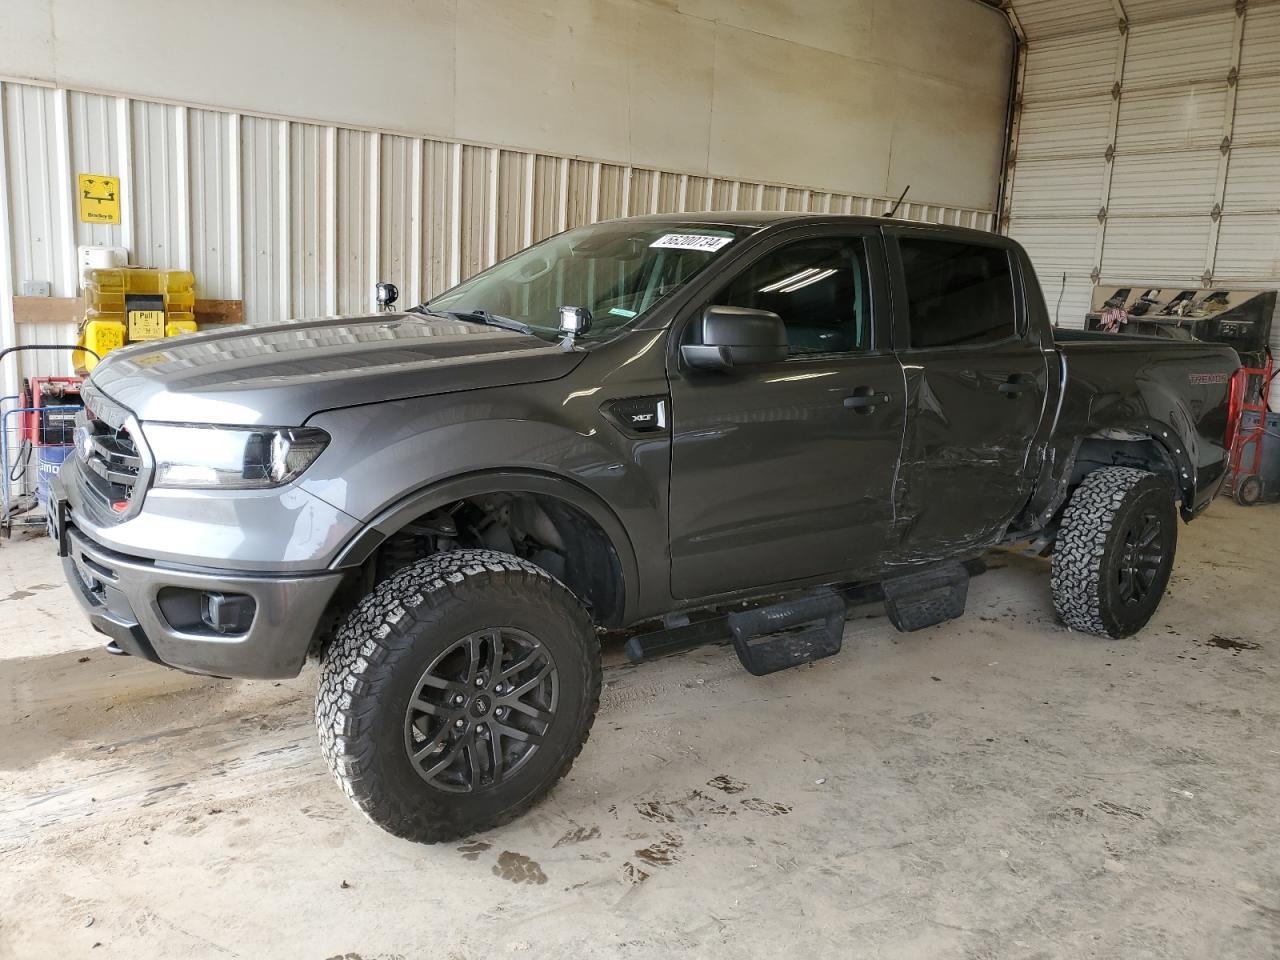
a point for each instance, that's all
(811, 626)
(790, 633)
(914, 601)
(678, 635)
(766, 639)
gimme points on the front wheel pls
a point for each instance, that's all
(1114, 552)
(457, 693)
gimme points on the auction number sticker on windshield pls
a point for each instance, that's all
(691, 241)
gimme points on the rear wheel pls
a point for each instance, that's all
(457, 693)
(1114, 552)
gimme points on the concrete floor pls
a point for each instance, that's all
(996, 787)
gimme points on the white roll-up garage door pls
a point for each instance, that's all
(1148, 146)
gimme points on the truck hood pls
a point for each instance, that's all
(280, 375)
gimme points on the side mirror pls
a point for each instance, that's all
(735, 337)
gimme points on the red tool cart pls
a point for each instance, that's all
(37, 431)
(1247, 428)
(49, 424)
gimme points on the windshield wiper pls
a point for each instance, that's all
(480, 316)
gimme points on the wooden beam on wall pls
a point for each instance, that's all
(71, 309)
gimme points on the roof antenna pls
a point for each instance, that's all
(897, 203)
(1057, 311)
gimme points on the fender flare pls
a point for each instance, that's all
(1174, 445)
(1163, 435)
(440, 492)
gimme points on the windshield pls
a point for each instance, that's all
(616, 270)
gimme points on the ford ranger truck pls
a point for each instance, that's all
(733, 419)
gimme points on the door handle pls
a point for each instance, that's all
(865, 401)
(1011, 388)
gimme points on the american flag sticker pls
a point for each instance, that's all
(691, 241)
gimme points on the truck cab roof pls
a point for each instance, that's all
(774, 219)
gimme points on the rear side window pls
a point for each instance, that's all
(958, 294)
(818, 287)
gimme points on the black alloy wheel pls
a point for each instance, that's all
(481, 709)
(1141, 557)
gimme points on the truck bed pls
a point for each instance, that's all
(1172, 390)
(1062, 335)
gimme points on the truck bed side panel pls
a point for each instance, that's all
(1176, 393)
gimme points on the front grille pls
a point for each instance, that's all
(108, 453)
(113, 458)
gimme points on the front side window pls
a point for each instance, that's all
(958, 294)
(817, 287)
(616, 270)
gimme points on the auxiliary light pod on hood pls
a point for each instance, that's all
(574, 322)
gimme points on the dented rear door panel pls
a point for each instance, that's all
(967, 444)
(977, 418)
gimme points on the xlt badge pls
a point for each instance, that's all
(639, 414)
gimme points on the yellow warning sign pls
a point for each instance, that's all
(99, 198)
(146, 324)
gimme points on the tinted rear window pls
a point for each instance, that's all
(958, 294)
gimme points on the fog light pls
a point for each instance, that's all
(226, 612)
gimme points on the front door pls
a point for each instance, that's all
(785, 471)
(976, 388)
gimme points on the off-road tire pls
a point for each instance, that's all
(369, 672)
(1090, 544)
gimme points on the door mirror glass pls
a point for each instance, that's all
(735, 337)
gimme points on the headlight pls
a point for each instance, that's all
(231, 458)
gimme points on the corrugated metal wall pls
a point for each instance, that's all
(299, 219)
(1147, 145)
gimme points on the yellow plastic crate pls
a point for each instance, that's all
(100, 336)
(128, 304)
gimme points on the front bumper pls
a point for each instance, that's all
(275, 531)
(123, 597)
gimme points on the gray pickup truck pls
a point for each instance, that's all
(724, 419)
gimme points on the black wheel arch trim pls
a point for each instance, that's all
(1055, 485)
(478, 483)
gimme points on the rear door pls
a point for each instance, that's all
(976, 387)
(784, 471)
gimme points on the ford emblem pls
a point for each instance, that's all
(84, 441)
